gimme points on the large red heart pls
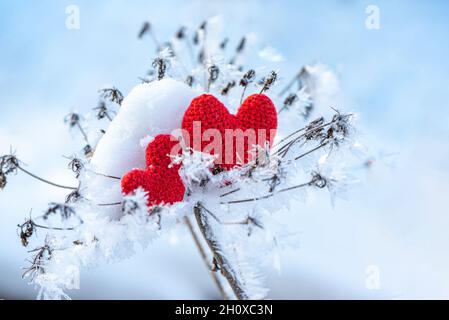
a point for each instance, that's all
(207, 120)
(159, 179)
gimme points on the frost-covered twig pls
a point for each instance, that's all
(205, 258)
(113, 94)
(10, 164)
(226, 268)
(317, 181)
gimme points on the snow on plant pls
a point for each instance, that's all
(240, 212)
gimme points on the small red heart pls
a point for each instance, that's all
(257, 112)
(161, 150)
(161, 181)
(164, 186)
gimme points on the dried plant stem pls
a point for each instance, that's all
(82, 132)
(310, 151)
(44, 180)
(225, 267)
(269, 195)
(106, 175)
(243, 94)
(205, 258)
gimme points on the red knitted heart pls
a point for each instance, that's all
(160, 151)
(164, 186)
(257, 112)
(161, 181)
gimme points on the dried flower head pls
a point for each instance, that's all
(9, 164)
(72, 119)
(76, 165)
(229, 86)
(37, 267)
(247, 78)
(189, 80)
(213, 71)
(268, 81)
(63, 209)
(27, 230)
(181, 33)
(160, 64)
(224, 43)
(112, 94)
(3, 180)
(144, 29)
(73, 196)
(103, 111)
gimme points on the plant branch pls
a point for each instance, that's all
(205, 258)
(44, 180)
(225, 267)
(269, 195)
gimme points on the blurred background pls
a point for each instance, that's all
(387, 240)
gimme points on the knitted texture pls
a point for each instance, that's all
(161, 181)
(160, 150)
(205, 112)
(164, 186)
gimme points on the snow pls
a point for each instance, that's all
(148, 110)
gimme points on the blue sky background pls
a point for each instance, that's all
(396, 78)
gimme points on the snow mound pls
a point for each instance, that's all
(148, 110)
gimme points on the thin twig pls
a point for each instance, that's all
(269, 195)
(228, 193)
(108, 204)
(106, 175)
(205, 258)
(310, 151)
(44, 180)
(225, 267)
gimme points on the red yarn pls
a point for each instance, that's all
(164, 186)
(160, 150)
(256, 112)
(163, 183)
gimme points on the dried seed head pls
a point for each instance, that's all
(73, 196)
(189, 81)
(318, 180)
(196, 38)
(103, 111)
(224, 43)
(201, 56)
(268, 81)
(112, 94)
(228, 87)
(144, 29)
(161, 65)
(76, 165)
(248, 77)
(214, 71)
(3, 180)
(181, 33)
(130, 206)
(8, 164)
(291, 99)
(43, 254)
(63, 209)
(72, 119)
(88, 151)
(241, 45)
(27, 230)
